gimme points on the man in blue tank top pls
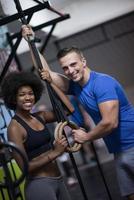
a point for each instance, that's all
(105, 100)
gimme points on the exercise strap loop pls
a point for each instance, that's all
(59, 132)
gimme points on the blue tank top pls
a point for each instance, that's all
(37, 142)
(101, 88)
(76, 116)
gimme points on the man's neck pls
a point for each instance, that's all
(86, 77)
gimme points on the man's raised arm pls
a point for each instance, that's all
(58, 79)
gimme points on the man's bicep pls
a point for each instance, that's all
(109, 110)
(60, 80)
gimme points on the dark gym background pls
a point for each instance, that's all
(108, 48)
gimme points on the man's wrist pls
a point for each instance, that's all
(88, 136)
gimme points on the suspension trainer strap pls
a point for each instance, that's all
(65, 101)
(56, 103)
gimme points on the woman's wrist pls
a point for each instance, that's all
(53, 155)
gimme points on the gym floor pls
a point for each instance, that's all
(92, 179)
(94, 185)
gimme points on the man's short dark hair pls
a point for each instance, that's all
(63, 52)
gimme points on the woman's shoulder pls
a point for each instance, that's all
(15, 128)
(13, 125)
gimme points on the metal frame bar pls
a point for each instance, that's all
(47, 39)
(29, 11)
(15, 56)
(49, 23)
(12, 54)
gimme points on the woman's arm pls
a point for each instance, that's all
(17, 135)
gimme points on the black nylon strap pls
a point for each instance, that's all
(56, 103)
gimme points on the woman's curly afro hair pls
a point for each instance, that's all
(14, 81)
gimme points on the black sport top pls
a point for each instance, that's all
(37, 142)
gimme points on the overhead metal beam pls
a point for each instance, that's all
(49, 23)
(12, 54)
(27, 12)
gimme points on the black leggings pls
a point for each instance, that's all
(49, 188)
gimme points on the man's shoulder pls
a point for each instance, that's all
(98, 76)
